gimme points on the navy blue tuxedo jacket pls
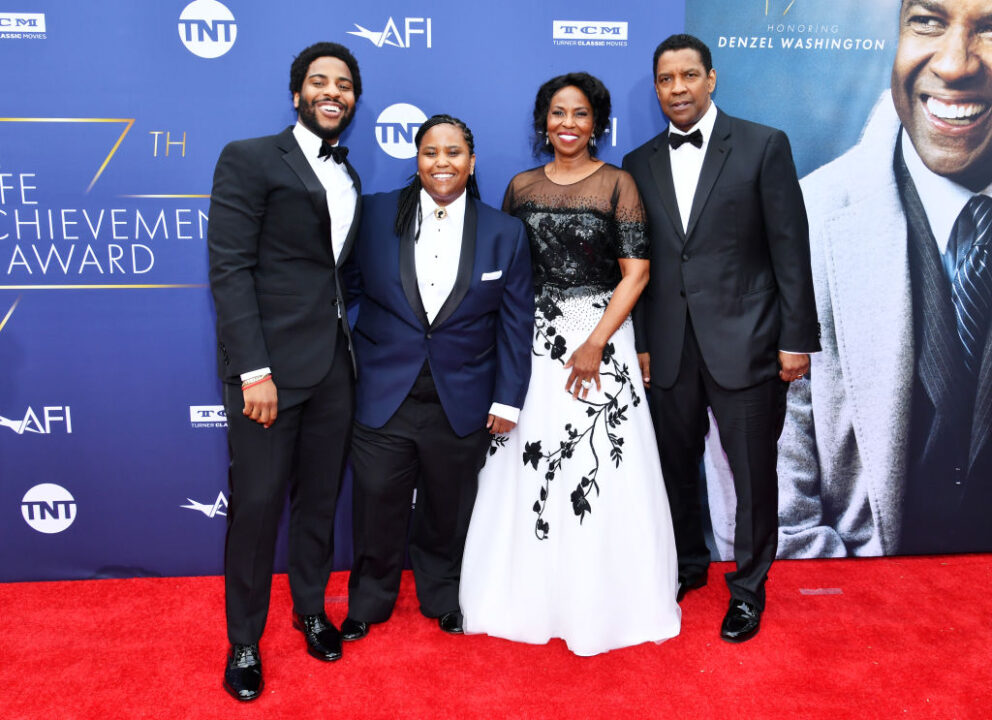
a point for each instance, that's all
(478, 346)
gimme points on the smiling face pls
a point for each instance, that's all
(444, 163)
(942, 86)
(570, 121)
(326, 101)
(683, 86)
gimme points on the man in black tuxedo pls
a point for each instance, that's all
(728, 317)
(282, 221)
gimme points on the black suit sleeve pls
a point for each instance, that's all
(787, 230)
(639, 314)
(237, 206)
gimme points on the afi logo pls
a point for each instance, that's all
(207, 28)
(218, 508)
(396, 128)
(391, 34)
(48, 508)
(27, 22)
(51, 417)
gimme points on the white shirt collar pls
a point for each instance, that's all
(943, 199)
(308, 141)
(704, 124)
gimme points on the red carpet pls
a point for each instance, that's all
(881, 638)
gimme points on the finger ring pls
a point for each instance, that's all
(586, 384)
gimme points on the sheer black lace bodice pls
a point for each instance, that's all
(578, 231)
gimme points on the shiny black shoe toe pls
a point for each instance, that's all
(352, 629)
(323, 639)
(451, 622)
(243, 674)
(741, 621)
(686, 584)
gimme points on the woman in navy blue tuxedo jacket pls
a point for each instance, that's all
(442, 344)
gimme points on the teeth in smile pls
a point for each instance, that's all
(443, 176)
(954, 111)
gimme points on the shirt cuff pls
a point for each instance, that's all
(255, 374)
(505, 411)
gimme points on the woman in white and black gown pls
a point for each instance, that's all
(571, 535)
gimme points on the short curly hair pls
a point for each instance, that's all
(682, 42)
(590, 86)
(298, 70)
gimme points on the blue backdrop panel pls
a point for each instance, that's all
(109, 130)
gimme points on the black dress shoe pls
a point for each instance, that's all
(243, 674)
(354, 629)
(451, 622)
(686, 584)
(323, 639)
(741, 621)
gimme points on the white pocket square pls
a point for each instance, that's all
(494, 275)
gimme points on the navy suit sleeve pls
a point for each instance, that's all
(788, 245)
(237, 206)
(516, 326)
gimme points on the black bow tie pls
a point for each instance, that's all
(676, 140)
(338, 152)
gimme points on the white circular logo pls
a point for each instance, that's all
(396, 127)
(48, 508)
(207, 28)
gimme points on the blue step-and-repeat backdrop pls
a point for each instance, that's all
(112, 443)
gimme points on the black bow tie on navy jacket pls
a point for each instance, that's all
(676, 140)
(337, 152)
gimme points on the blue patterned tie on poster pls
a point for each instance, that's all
(886, 447)
(112, 430)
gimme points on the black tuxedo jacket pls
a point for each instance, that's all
(275, 283)
(742, 267)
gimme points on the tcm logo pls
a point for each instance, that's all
(396, 128)
(22, 22)
(201, 416)
(52, 418)
(589, 32)
(413, 28)
(48, 508)
(207, 28)
(219, 506)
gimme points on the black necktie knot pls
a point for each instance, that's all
(677, 140)
(337, 152)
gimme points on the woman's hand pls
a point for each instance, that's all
(585, 362)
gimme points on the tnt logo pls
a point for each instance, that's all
(207, 28)
(22, 22)
(207, 416)
(50, 419)
(396, 128)
(391, 34)
(48, 508)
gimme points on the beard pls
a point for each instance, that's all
(308, 116)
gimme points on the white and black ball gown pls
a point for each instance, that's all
(571, 535)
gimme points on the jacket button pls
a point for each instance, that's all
(685, 257)
(681, 293)
(428, 336)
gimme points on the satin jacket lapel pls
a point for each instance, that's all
(717, 151)
(353, 231)
(408, 275)
(661, 169)
(466, 262)
(300, 165)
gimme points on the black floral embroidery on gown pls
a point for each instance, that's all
(577, 233)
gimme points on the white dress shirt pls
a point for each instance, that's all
(687, 162)
(437, 252)
(341, 200)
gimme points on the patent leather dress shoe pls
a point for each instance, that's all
(741, 621)
(354, 629)
(243, 674)
(686, 584)
(451, 622)
(323, 639)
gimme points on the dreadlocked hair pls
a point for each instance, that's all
(408, 206)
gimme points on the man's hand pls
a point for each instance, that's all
(498, 425)
(644, 360)
(793, 366)
(261, 402)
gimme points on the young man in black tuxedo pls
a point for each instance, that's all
(728, 317)
(283, 218)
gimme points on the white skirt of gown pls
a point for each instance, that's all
(571, 534)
